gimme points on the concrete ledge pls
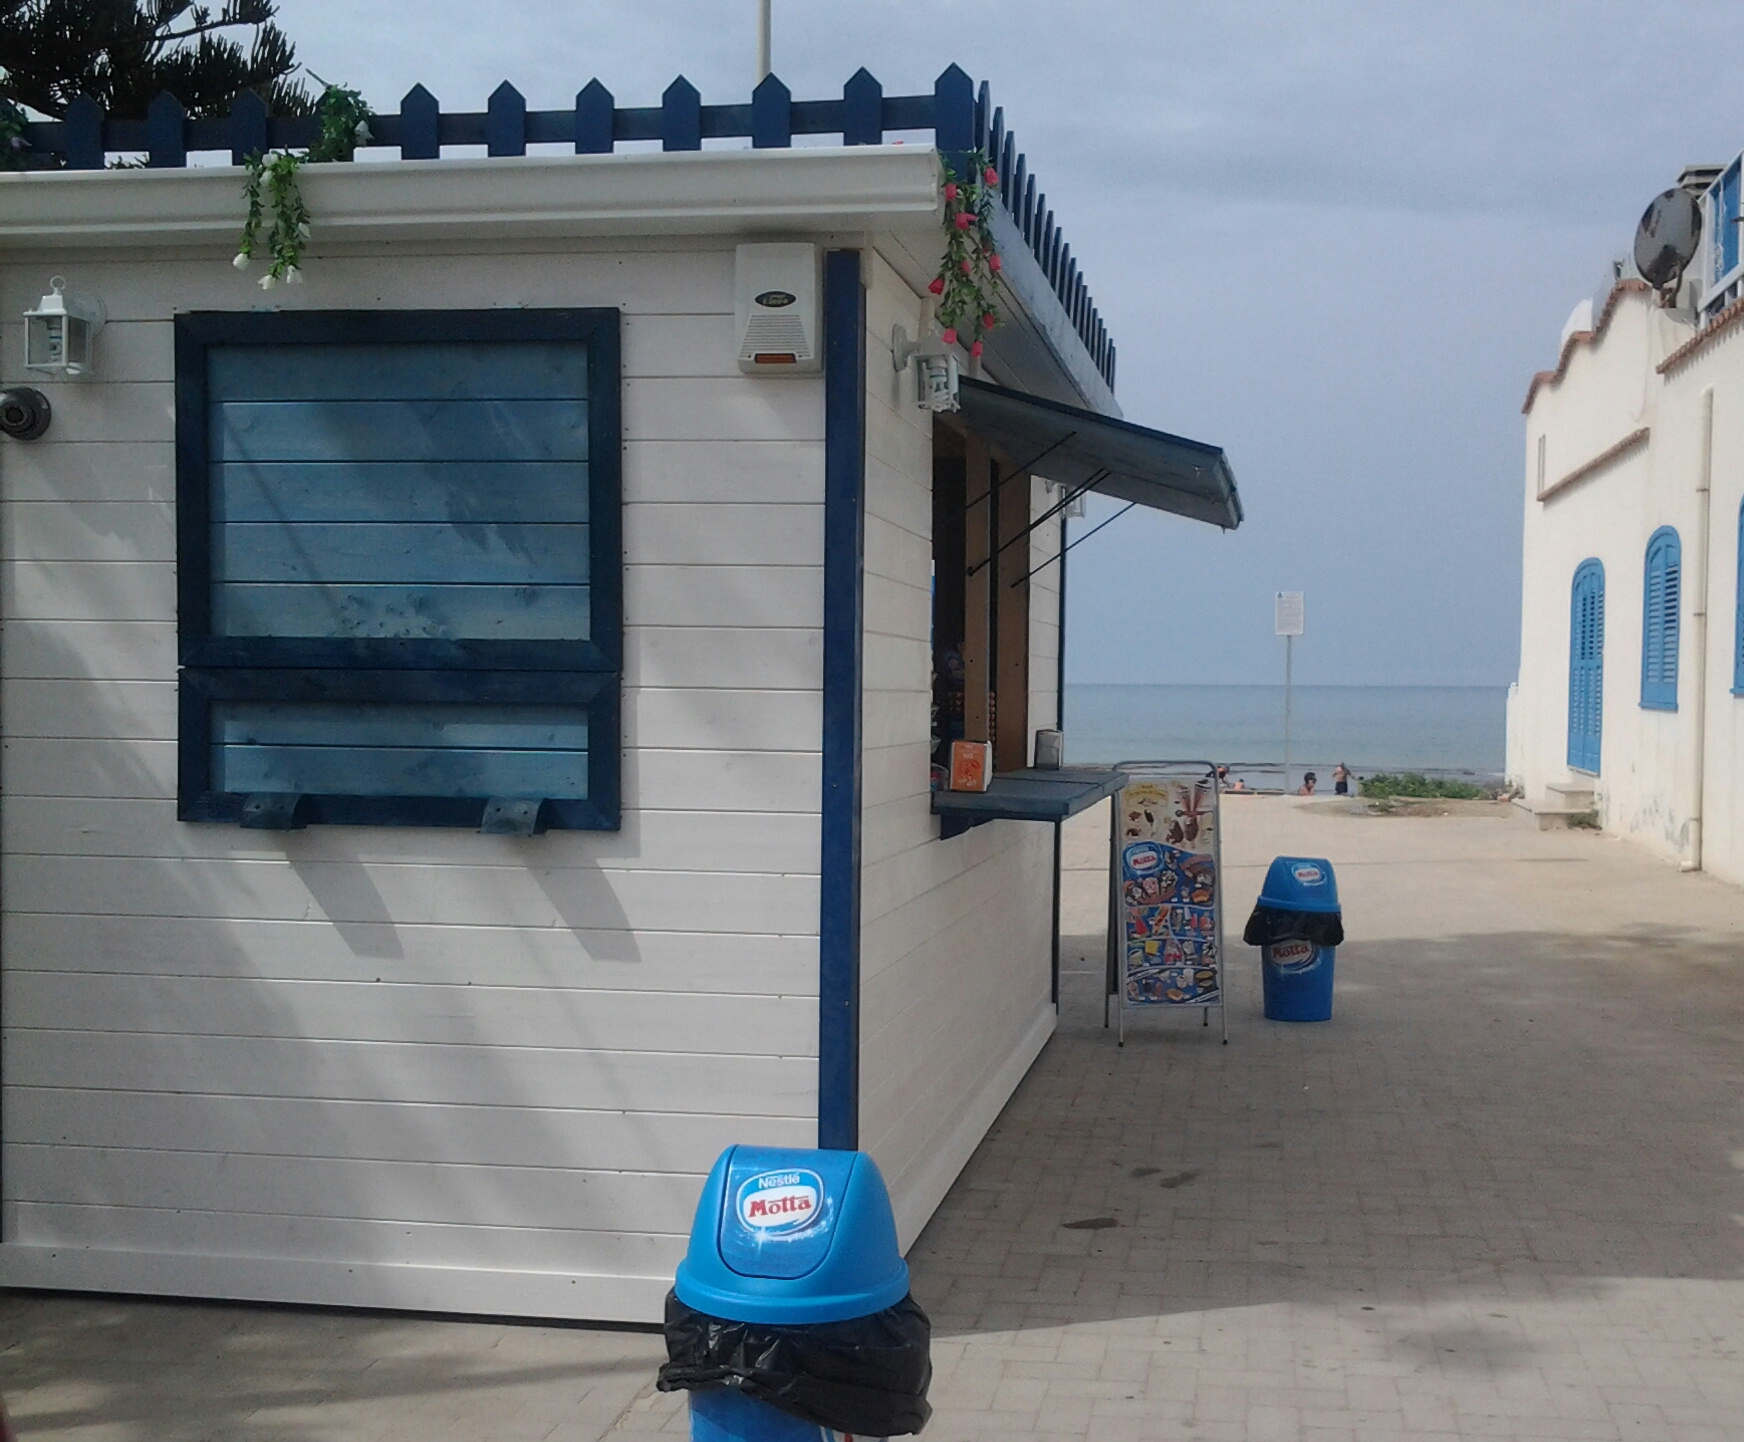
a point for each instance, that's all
(1552, 815)
(734, 191)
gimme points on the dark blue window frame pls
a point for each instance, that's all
(216, 669)
(1661, 603)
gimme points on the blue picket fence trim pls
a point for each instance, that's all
(594, 119)
(165, 123)
(420, 126)
(772, 115)
(247, 127)
(862, 110)
(681, 116)
(505, 122)
(960, 115)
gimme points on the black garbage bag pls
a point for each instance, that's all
(1268, 926)
(868, 1375)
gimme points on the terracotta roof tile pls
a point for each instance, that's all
(1723, 323)
(1584, 337)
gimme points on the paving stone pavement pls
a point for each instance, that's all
(79, 1369)
(1500, 1195)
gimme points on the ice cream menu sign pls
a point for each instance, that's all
(1166, 839)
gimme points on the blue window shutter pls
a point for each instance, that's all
(1660, 604)
(400, 567)
(1586, 666)
(1728, 220)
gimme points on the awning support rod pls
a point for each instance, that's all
(1085, 537)
(1046, 515)
(1028, 465)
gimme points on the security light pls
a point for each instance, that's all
(935, 366)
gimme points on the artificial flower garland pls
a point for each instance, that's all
(272, 183)
(966, 284)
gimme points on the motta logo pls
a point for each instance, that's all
(775, 299)
(1144, 859)
(1310, 875)
(775, 1203)
(1293, 955)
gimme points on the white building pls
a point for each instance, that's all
(1630, 700)
(314, 598)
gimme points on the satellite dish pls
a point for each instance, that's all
(1666, 239)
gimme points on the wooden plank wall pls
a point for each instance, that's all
(407, 1068)
(955, 934)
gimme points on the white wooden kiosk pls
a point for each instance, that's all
(293, 1008)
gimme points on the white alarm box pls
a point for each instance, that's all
(777, 313)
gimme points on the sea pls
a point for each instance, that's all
(1455, 731)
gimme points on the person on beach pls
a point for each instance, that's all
(1308, 779)
(1225, 784)
(1341, 780)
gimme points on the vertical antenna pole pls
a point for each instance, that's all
(762, 41)
(1289, 649)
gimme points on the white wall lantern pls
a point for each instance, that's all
(59, 332)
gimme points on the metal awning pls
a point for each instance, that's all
(1083, 450)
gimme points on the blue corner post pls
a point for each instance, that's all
(844, 553)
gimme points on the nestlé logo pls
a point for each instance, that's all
(780, 1202)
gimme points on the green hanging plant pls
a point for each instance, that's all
(270, 186)
(344, 117)
(967, 284)
(14, 137)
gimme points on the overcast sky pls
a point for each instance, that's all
(1336, 239)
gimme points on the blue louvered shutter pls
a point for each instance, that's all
(1586, 667)
(1726, 253)
(400, 492)
(400, 568)
(1662, 593)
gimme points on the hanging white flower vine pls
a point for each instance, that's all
(271, 187)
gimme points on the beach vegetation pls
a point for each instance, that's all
(1416, 784)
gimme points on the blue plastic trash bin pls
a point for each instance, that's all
(788, 1249)
(1298, 925)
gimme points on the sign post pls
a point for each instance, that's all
(1287, 622)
